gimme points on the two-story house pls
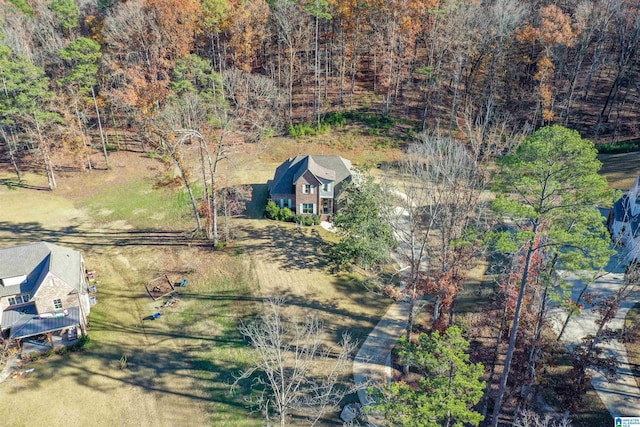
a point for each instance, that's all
(624, 222)
(311, 184)
(43, 291)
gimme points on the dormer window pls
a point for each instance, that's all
(19, 299)
(326, 187)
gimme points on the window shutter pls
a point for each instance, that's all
(300, 211)
(311, 188)
(289, 203)
(281, 203)
(315, 209)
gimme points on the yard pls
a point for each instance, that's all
(174, 370)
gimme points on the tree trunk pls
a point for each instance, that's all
(84, 137)
(48, 167)
(316, 72)
(206, 189)
(12, 156)
(514, 330)
(187, 184)
(573, 310)
(104, 142)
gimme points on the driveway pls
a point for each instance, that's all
(622, 396)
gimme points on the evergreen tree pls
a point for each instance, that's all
(551, 191)
(449, 387)
(366, 238)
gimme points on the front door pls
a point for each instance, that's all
(327, 206)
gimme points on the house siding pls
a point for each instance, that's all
(4, 303)
(53, 288)
(278, 197)
(303, 198)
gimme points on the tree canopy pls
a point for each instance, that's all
(366, 238)
(550, 190)
(448, 388)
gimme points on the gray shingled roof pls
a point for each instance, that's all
(333, 168)
(31, 325)
(35, 260)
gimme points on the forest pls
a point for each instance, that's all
(79, 75)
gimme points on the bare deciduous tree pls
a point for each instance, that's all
(439, 206)
(295, 370)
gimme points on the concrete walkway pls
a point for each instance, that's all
(9, 368)
(372, 365)
(622, 396)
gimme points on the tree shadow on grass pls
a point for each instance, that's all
(73, 235)
(201, 369)
(259, 195)
(13, 184)
(291, 247)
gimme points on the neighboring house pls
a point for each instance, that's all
(43, 291)
(311, 184)
(624, 222)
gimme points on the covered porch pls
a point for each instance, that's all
(42, 332)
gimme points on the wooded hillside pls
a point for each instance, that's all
(83, 74)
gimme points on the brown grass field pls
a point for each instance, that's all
(179, 367)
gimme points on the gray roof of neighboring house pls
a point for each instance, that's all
(622, 213)
(30, 324)
(332, 168)
(35, 260)
(622, 209)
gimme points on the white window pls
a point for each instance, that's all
(285, 203)
(326, 187)
(57, 304)
(307, 188)
(307, 208)
(19, 299)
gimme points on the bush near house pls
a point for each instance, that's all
(273, 211)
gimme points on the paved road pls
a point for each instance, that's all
(622, 396)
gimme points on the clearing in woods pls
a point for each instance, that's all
(174, 370)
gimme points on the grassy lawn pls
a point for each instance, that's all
(178, 368)
(620, 169)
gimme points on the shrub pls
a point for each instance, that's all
(286, 214)
(315, 219)
(272, 210)
(83, 343)
(306, 129)
(623, 147)
(306, 220)
(301, 129)
(335, 119)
